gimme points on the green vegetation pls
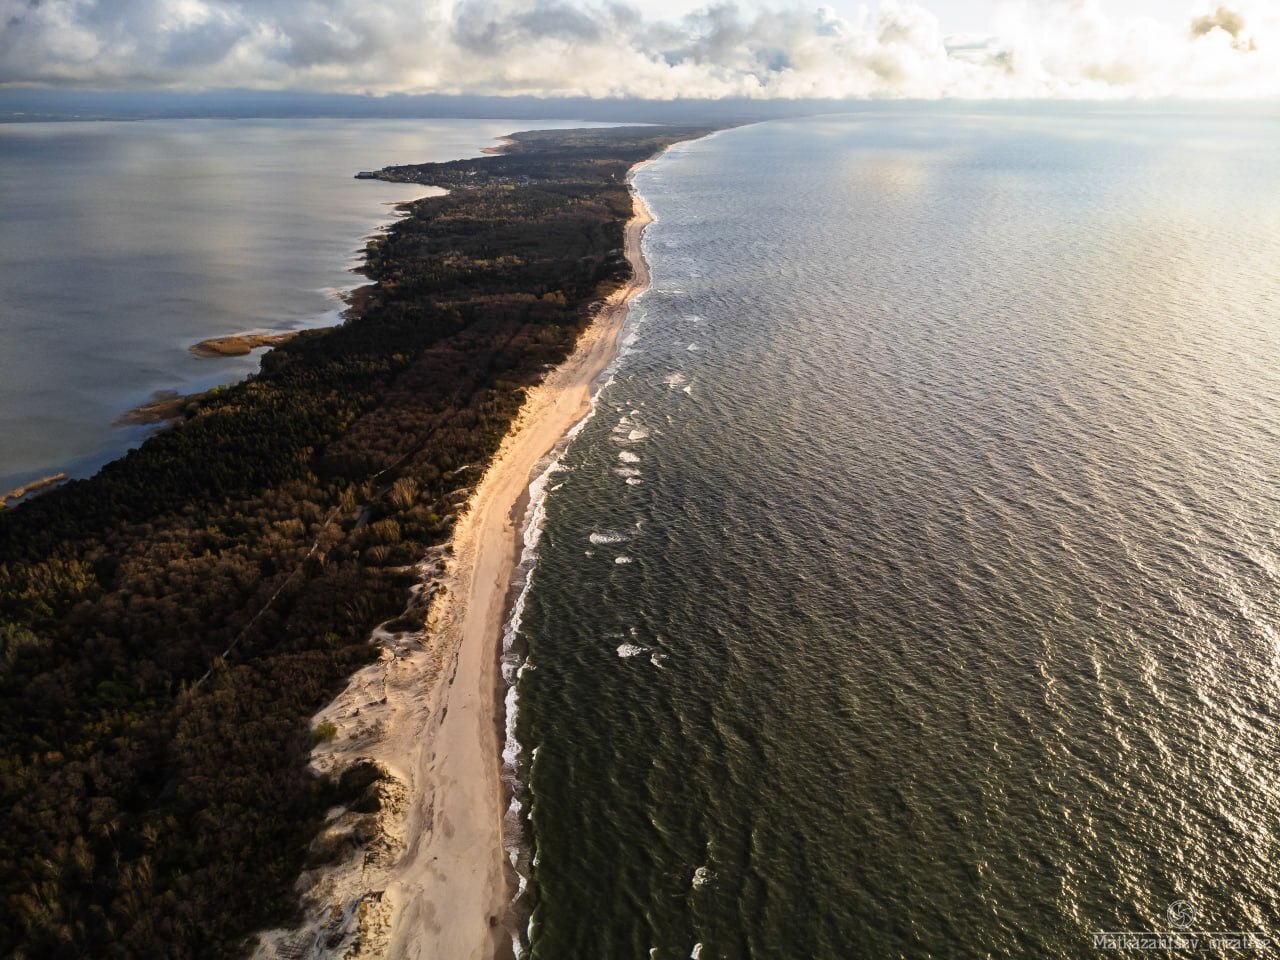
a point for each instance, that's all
(168, 628)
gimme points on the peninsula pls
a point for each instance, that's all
(169, 628)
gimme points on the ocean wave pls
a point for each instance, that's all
(607, 536)
(520, 851)
(513, 664)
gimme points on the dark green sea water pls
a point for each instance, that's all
(915, 589)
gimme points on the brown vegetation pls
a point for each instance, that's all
(239, 344)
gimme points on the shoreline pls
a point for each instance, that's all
(487, 545)
(431, 712)
(167, 406)
(499, 147)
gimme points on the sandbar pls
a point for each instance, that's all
(239, 344)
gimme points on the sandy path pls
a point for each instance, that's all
(436, 884)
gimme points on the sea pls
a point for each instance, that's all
(123, 243)
(914, 590)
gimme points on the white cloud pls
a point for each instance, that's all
(1070, 48)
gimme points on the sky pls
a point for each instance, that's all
(657, 49)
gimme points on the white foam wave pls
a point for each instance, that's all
(627, 650)
(634, 481)
(639, 433)
(513, 666)
(626, 456)
(631, 334)
(512, 663)
(607, 536)
(697, 952)
(626, 471)
(602, 384)
(623, 559)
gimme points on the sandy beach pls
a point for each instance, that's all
(434, 881)
(499, 147)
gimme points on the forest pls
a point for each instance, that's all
(169, 626)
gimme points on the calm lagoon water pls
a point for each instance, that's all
(913, 591)
(123, 243)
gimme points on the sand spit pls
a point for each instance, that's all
(165, 406)
(239, 344)
(499, 148)
(430, 877)
(32, 488)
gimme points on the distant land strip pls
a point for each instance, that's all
(259, 541)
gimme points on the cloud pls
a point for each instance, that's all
(1221, 19)
(1230, 22)
(1038, 48)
